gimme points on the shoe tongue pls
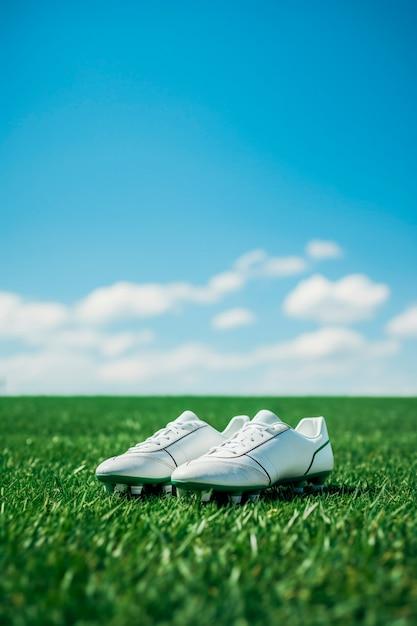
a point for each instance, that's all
(266, 417)
(187, 416)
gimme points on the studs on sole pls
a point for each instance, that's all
(318, 484)
(205, 496)
(119, 488)
(315, 485)
(299, 487)
(318, 488)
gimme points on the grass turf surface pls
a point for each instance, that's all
(69, 554)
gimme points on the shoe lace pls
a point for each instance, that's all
(165, 434)
(250, 433)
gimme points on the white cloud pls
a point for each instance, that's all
(178, 361)
(308, 361)
(247, 261)
(71, 350)
(284, 266)
(335, 345)
(336, 351)
(20, 319)
(49, 372)
(404, 325)
(124, 300)
(107, 344)
(222, 284)
(350, 299)
(277, 267)
(319, 249)
(329, 359)
(233, 318)
(325, 343)
(256, 263)
(50, 325)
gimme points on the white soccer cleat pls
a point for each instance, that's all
(153, 461)
(265, 452)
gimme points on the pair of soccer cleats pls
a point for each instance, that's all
(248, 457)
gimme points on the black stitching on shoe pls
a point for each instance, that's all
(260, 465)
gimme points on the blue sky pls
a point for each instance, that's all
(208, 197)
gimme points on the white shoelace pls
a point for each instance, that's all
(165, 434)
(249, 434)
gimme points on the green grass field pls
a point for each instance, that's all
(70, 554)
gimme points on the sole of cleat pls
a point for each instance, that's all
(136, 490)
(251, 494)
